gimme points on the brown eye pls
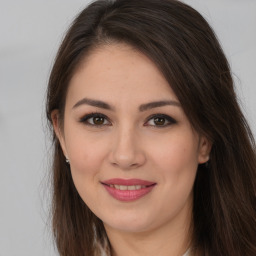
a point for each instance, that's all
(159, 121)
(95, 119)
(98, 120)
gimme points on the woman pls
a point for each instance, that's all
(152, 153)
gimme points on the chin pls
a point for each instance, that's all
(131, 224)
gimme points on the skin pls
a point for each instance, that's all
(130, 143)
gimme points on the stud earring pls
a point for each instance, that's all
(67, 161)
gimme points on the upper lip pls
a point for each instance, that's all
(128, 182)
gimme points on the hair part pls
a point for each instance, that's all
(186, 51)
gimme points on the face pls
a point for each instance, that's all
(133, 153)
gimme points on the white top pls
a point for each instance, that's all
(186, 253)
(103, 253)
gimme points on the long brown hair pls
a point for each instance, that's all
(184, 48)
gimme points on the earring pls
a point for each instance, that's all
(67, 161)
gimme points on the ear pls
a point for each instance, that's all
(58, 131)
(204, 149)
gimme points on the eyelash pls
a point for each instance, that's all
(167, 120)
(86, 119)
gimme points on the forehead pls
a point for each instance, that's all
(117, 72)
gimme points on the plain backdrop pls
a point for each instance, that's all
(30, 32)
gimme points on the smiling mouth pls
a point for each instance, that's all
(128, 190)
(123, 187)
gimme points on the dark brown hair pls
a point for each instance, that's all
(184, 48)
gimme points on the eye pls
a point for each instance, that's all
(95, 119)
(160, 120)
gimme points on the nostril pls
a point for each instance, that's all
(125, 151)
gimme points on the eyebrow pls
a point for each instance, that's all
(157, 104)
(94, 103)
(143, 107)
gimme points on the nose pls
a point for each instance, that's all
(126, 150)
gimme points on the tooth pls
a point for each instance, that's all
(123, 187)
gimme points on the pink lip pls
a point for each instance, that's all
(128, 195)
(128, 182)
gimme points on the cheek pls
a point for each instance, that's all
(176, 161)
(86, 159)
(177, 152)
(86, 153)
(85, 150)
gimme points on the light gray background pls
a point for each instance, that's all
(30, 32)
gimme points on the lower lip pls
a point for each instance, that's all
(128, 195)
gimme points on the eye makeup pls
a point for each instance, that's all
(155, 120)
